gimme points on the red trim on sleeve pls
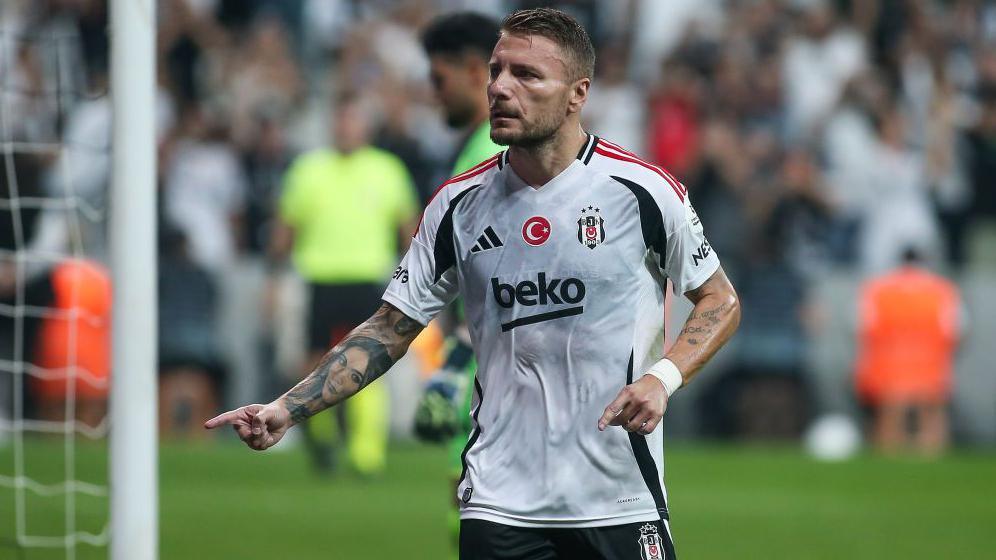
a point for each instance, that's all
(671, 178)
(675, 186)
(472, 172)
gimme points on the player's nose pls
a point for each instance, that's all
(498, 88)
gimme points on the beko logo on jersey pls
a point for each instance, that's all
(541, 292)
(544, 291)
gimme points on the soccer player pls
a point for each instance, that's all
(560, 247)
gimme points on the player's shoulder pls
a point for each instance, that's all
(636, 173)
(439, 208)
(457, 186)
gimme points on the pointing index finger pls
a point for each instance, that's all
(229, 417)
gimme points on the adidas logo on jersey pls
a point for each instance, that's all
(488, 240)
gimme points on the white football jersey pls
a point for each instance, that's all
(564, 289)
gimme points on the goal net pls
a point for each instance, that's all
(55, 289)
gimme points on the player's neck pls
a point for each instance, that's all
(537, 165)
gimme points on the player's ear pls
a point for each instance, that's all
(578, 95)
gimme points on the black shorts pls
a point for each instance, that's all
(337, 309)
(485, 540)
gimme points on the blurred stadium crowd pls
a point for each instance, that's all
(817, 138)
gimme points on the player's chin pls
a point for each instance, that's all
(504, 133)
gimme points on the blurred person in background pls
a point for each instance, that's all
(675, 117)
(617, 107)
(847, 141)
(20, 228)
(399, 133)
(797, 215)
(459, 46)
(948, 164)
(188, 40)
(191, 374)
(819, 58)
(766, 393)
(344, 214)
(980, 141)
(899, 211)
(910, 324)
(75, 342)
(721, 192)
(393, 40)
(265, 159)
(261, 76)
(205, 187)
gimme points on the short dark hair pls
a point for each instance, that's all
(560, 28)
(459, 33)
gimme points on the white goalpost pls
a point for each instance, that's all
(134, 441)
(99, 170)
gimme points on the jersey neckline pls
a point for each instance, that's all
(516, 183)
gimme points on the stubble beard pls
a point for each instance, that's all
(532, 135)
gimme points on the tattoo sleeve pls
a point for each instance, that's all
(364, 355)
(711, 323)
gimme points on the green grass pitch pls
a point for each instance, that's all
(223, 502)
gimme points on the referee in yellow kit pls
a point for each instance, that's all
(343, 213)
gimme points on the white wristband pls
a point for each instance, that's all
(668, 373)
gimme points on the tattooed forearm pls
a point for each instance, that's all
(306, 395)
(406, 326)
(713, 316)
(703, 324)
(363, 356)
(711, 323)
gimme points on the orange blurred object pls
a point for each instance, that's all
(82, 288)
(909, 331)
(428, 350)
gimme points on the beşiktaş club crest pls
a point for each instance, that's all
(651, 546)
(591, 227)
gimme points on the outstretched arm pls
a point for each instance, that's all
(363, 356)
(366, 353)
(640, 405)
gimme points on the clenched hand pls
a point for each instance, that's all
(638, 408)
